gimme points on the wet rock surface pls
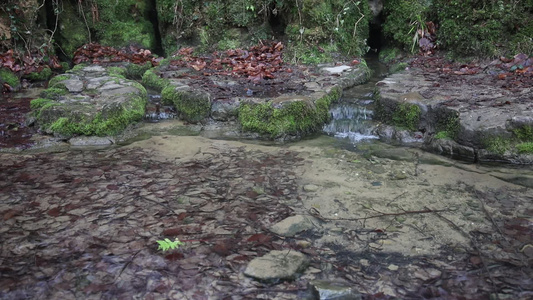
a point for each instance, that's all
(84, 224)
(479, 106)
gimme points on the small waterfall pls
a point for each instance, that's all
(352, 119)
(352, 115)
(155, 111)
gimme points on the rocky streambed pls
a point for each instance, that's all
(378, 223)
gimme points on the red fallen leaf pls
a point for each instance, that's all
(10, 213)
(112, 187)
(259, 238)
(175, 256)
(502, 76)
(182, 216)
(54, 212)
(171, 232)
(506, 60)
(475, 260)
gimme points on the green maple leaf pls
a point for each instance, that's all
(167, 244)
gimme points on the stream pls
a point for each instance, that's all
(387, 221)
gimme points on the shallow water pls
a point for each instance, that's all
(83, 223)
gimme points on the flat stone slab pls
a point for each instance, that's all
(478, 113)
(277, 265)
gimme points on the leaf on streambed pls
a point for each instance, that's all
(54, 212)
(366, 205)
(172, 231)
(260, 238)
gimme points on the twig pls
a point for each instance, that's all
(315, 213)
(474, 245)
(128, 263)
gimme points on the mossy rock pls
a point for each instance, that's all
(290, 118)
(42, 75)
(71, 120)
(10, 78)
(151, 80)
(192, 105)
(107, 108)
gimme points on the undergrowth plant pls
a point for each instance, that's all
(167, 244)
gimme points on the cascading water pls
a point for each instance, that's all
(352, 115)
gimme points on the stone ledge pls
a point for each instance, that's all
(481, 122)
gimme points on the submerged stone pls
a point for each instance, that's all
(291, 226)
(331, 290)
(277, 265)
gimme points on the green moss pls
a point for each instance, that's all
(193, 106)
(526, 148)
(65, 66)
(57, 79)
(442, 135)
(111, 122)
(78, 68)
(497, 144)
(524, 133)
(9, 78)
(44, 74)
(407, 116)
(54, 92)
(117, 72)
(136, 71)
(151, 80)
(40, 103)
(448, 124)
(293, 118)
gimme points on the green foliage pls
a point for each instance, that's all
(122, 22)
(388, 55)
(343, 23)
(9, 78)
(481, 28)
(403, 19)
(167, 244)
(407, 115)
(73, 33)
(526, 148)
